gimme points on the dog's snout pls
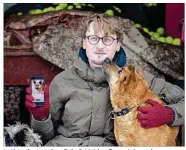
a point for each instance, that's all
(107, 60)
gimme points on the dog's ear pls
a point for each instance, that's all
(20, 137)
(40, 82)
(140, 72)
(131, 68)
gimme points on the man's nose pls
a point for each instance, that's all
(100, 44)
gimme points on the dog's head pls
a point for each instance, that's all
(38, 84)
(21, 135)
(124, 80)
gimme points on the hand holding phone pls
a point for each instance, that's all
(39, 112)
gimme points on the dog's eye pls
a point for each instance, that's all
(40, 82)
(119, 71)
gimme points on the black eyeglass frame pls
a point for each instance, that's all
(101, 39)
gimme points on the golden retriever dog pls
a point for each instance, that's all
(128, 90)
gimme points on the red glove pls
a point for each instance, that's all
(154, 116)
(38, 112)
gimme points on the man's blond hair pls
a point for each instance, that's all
(109, 25)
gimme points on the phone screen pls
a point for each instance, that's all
(37, 86)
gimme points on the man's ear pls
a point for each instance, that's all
(140, 72)
(84, 45)
(118, 46)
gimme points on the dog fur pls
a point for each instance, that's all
(129, 89)
(21, 135)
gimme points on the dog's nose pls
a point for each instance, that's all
(107, 60)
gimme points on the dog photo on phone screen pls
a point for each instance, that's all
(37, 86)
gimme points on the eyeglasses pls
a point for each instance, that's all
(94, 39)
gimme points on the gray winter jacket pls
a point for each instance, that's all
(80, 107)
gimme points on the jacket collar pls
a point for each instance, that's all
(95, 75)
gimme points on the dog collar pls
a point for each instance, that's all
(124, 111)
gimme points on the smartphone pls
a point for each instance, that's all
(37, 84)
